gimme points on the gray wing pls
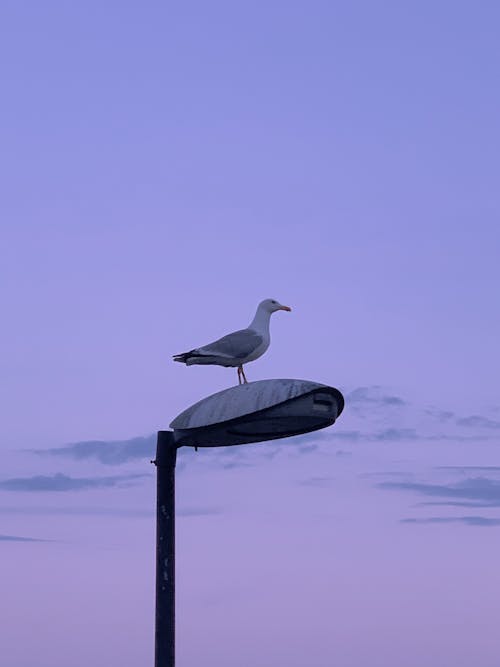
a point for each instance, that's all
(237, 345)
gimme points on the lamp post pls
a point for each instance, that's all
(254, 412)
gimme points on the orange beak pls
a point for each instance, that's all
(287, 308)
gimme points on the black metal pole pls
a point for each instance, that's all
(166, 453)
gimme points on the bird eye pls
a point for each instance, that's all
(273, 301)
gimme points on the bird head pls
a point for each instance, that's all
(271, 306)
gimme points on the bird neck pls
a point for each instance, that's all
(261, 321)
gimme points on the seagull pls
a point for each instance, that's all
(239, 347)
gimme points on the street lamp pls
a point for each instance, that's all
(254, 412)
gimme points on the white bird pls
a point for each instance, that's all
(239, 347)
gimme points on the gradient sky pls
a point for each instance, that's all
(164, 169)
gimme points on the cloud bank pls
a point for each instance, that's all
(478, 489)
(15, 538)
(468, 520)
(60, 482)
(112, 452)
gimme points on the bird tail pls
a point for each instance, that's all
(188, 358)
(182, 358)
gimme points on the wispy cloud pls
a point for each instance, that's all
(398, 474)
(316, 481)
(391, 434)
(307, 449)
(122, 512)
(113, 452)
(467, 468)
(41, 510)
(476, 421)
(373, 395)
(395, 434)
(468, 520)
(458, 503)
(348, 436)
(199, 511)
(232, 465)
(343, 454)
(479, 489)
(60, 482)
(15, 538)
(441, 415)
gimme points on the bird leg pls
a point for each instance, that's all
(244, 376)
(240, 370)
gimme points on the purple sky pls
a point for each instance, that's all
(166, 168)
